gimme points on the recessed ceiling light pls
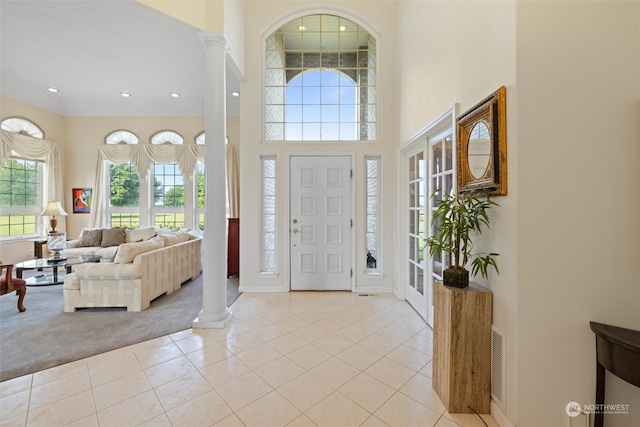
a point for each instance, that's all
(302, 27)
(174, 94)
(235, 93)
(125, 94)
(342, 27)
(53, 89)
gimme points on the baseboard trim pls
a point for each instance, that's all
(372, 290)
(499, 416)
(262, 289)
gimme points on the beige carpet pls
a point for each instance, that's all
(44, 336)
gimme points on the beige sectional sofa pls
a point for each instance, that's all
(134, 272)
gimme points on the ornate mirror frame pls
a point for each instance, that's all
(492, 112)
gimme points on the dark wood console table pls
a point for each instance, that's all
(617, 351)
(233, 247)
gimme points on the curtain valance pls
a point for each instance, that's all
(143, 156)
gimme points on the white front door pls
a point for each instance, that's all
(320, 222)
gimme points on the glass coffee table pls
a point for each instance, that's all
(53, 277)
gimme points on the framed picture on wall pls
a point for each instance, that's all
(81, 200)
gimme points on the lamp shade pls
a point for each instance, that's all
(53, 208)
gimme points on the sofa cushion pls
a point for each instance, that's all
(108, 271)
(174, 238)
(77, 251)
(107, 254)
(193, 234)
(137, 234)
(112, 237)
(90, 237)
(128, 251)
(71, 282)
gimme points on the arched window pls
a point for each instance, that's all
(167, 137)
(121, 137)
(23, 126)
(21, 186)
(124, 185)
(320, 81)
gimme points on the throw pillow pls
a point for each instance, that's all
(193, 235)
(90, 238)
(135, 234)
(128, 251)
(174, 238)
(112, 237)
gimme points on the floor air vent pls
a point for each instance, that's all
(367, 295)
(498, 366)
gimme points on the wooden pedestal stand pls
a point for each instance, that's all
(462, 347)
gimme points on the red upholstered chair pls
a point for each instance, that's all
(10, 284)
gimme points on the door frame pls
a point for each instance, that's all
(352, 206)
(444, 123)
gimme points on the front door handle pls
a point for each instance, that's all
(295, 230)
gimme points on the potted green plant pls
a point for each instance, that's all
(457, 218)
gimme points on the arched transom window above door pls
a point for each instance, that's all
(320, 81)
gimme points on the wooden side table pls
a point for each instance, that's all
(462, 347)
(617, 351)
(38, 244)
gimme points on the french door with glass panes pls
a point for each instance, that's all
(417, 197)
(431, 172)
(441, 181)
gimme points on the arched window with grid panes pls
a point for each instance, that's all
(168, 186)
(124, 185)
(21, 187)
(320, 81)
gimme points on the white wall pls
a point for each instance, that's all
(261, 19)
(234, 31)
(206, 15)
(578, 137)
(572, 72)
(459, 53)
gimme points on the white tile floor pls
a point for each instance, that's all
(287, 359)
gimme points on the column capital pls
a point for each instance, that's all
(213, 38)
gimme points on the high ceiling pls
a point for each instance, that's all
(92, 50)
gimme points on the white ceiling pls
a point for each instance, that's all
(92, 50)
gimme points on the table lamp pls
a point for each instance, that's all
(57, 241)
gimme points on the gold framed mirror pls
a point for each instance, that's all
(482, 140)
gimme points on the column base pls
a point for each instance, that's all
(208, 321)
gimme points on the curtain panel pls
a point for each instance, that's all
(43, 150)
(143, 156)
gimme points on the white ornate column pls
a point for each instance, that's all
(214, 313)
